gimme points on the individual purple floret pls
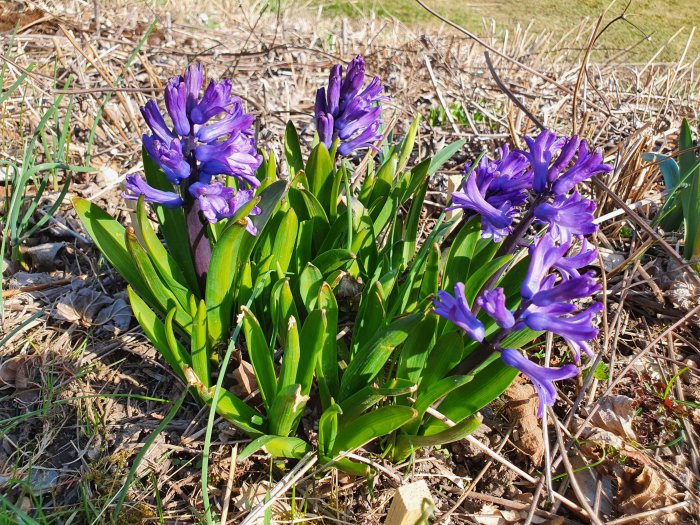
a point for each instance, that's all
(568, 290)
(136, 186)
(576, 329)
(568, 267)
(217, 202)
(344, 112)
(542, 377)
(544, 253)
(457, 310)
(504, 180)
(495, 222)
(493, 302)
(567, 216)
(557, 177)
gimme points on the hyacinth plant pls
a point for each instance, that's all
(345, 315)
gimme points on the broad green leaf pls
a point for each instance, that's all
(319, 171)
(260, 357)
(689, 163)
(312, 339)
(327, 365)
(431, 275)
(374, 424)
(328, 428)
(290, 357)
(154, 329)
(458, 265)
(292, 150)
(172, 221)
(444, 155)
(481, 274)
(310, 282)
(371, 358)
(414, 353)
(276, 446)
(371, 317)
(384, 180)
(354, 468)
(221, 277)
(303, 251)
(287, 407)
(467, 400)
(411, 225)
(238, 413)
(432, 394)
(365, 398)
(406, 443)
(444, 356)
(283, 246)
(167, 267)
(332, 260)
(108, 236)
(407, 144)
(200, 352)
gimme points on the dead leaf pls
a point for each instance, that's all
(89, 307)
(44, 256)
(646, 489)
(615, 415)
(522, 405)
(16, 371)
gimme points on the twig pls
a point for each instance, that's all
(229, 485)
(439, 94)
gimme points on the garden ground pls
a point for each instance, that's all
(82, 390)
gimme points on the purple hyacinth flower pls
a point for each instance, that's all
(194, 79)
(169, 157)
(493, 302)
(586, 166)
(496, 222)
(457, 310)
(504, 180)
(216, 98)
(176, 104)
(568, 267)
(235, 122)
(567, 216)
(236, 157)
(542, 377)
(540, 154)
(544, 253)
(345, 112)
(568, 290)
(576, 329)
(239, 200)
(154, 119)
(136, 186)
(563, 160)
(213, 200)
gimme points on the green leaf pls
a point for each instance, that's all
(312, 339)
(200, 350)
(371, 317)
(284, 242)
(284, 308)
(483, 273)
(384, 180)
(292, 150)
(223, 270)
(446, 354)
(467, 400)
(370, 358)
(310, 282)
(372, 425)
(431, 275)
(290, 357)
(367, 397)
(444, 155)
(276, 446)
(165, 264)
(332, 260)
(320, 173)
(176, 356)
(405, 443)
(172, 222)
(689, 164)
(411, 226)
(108, 236)
(432, 394)
(260, 357)
(163, 297)
(458, 264)
(327, 366)
(287, 407)
(417, 348)
(328, 428)
(407, 144)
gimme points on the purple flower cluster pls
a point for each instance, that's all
(210, 135)
(536, 186)
(346, 112)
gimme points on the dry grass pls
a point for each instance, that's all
(80, 398)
